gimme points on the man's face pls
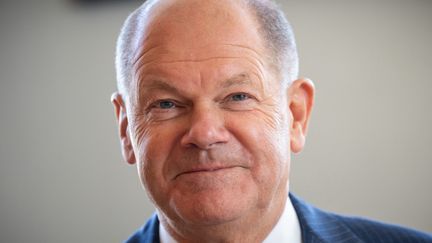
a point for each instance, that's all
(207, 118)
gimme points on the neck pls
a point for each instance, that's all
(239, 230)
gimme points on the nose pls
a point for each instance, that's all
(206, 129)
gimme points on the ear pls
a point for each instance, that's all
(121, 115)
(301, 100)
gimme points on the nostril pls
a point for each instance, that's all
(205, 139)
(206, 128)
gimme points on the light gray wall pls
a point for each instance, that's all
(61, 175)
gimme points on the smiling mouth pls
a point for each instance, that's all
(206, 170)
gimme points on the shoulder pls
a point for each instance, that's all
(149, 233)
(368, 229)
(321, 226)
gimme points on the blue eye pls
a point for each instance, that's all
(165, 104)
(239, 97)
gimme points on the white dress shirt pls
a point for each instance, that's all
(287, 228)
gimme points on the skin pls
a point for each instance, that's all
(208, 123)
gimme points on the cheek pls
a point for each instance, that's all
(153, 145)
(265, 136)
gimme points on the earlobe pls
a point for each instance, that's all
(121, 115)
(127, 150)
(298, 138)
(301, 98)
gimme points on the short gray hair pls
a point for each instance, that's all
(274, 27)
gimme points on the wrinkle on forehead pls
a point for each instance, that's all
(139, 59)
(173, 73)
(159, 55)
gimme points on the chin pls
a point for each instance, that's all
(213, 207)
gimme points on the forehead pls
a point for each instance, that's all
(194, 40)
(191, 28)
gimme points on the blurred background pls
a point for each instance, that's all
(62, 178)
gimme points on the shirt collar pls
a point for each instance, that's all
(164, 236)
(287, 229)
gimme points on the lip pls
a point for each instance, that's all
(205, 169)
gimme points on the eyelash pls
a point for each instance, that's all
(158, 105)
(243, 95)
(234, 97)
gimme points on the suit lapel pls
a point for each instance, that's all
(150, 232)
(319, 226)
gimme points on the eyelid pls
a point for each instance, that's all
(249, 95)
(155, 104)
(164, 100)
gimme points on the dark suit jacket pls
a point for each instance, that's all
(319, 226)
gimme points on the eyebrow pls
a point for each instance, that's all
(238, 79)
(160, 84)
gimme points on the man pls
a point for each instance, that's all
(210, 108)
